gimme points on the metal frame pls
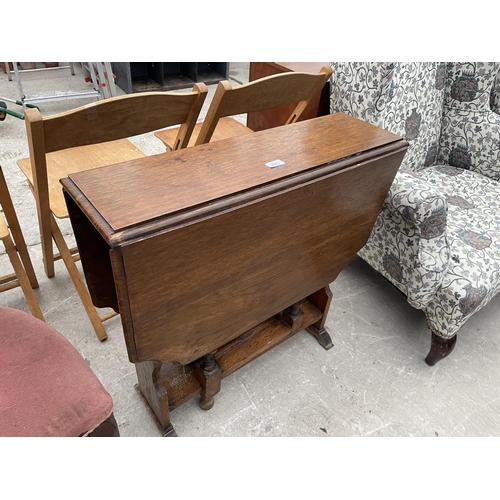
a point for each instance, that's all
(95, 93)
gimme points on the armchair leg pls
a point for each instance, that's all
(440, 349)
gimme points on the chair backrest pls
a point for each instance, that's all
(495, 96)
(116, 118)
(470, 135)
(263, 94)
(403, 98)
(105, 121)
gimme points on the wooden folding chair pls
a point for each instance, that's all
(15, 246)
(88, 137)
(265, 93)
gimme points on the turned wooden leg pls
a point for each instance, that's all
(153, 392)
(293, 316)
(322, 300)
(440, 348)
(294, 311)
(209, 375)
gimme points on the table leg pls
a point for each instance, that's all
(209, 375)
(322, 300)
(152, 390)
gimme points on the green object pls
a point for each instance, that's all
(4, 111)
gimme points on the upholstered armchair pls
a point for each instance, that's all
(437, 238)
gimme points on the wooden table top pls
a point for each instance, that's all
(145, 189)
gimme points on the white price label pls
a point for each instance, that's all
(274, 163)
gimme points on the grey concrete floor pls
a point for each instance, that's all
(373, 382)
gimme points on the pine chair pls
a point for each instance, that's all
(88, 137)
(15, 246)
(262, 94)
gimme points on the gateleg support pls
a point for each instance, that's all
(209, 375)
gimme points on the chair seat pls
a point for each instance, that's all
(473, 232)
(226, 128)
(62, 163)
(46, 387)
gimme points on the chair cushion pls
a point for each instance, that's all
(46, 387)
(473, 233)
(470, 136)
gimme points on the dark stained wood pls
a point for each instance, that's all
(109, 428)
(175, 384)
(262, 120)
(209, 375)
(322, 300)
(154, 392)
(194, 178)
(252, 267)
(440, 348)
(216, 258)
(100, 274)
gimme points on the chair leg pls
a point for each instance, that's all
(22, 250)
(440, 349)
(47, 250)
(109, 428)
(78, 281)
(15, 231)
(23, 279)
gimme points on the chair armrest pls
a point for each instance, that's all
(418, 203)
(423, 208)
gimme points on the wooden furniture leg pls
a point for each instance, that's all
(22, 277)
(209, 375)
(295, 311)
(440, 349)
(293, 316)
(153, 392)
(109, 428)
(322, 300)
(166, 386)
(15, 230)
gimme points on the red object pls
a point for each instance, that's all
(46, 387)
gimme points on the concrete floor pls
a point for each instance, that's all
(373, 382)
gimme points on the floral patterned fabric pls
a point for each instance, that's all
(473, 235)
(495, 96)
(409, 242)
(469, 133)
(436, 237)
(404, 98)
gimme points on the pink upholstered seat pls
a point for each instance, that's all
(46, 387)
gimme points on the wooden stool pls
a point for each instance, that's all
(46, 388)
